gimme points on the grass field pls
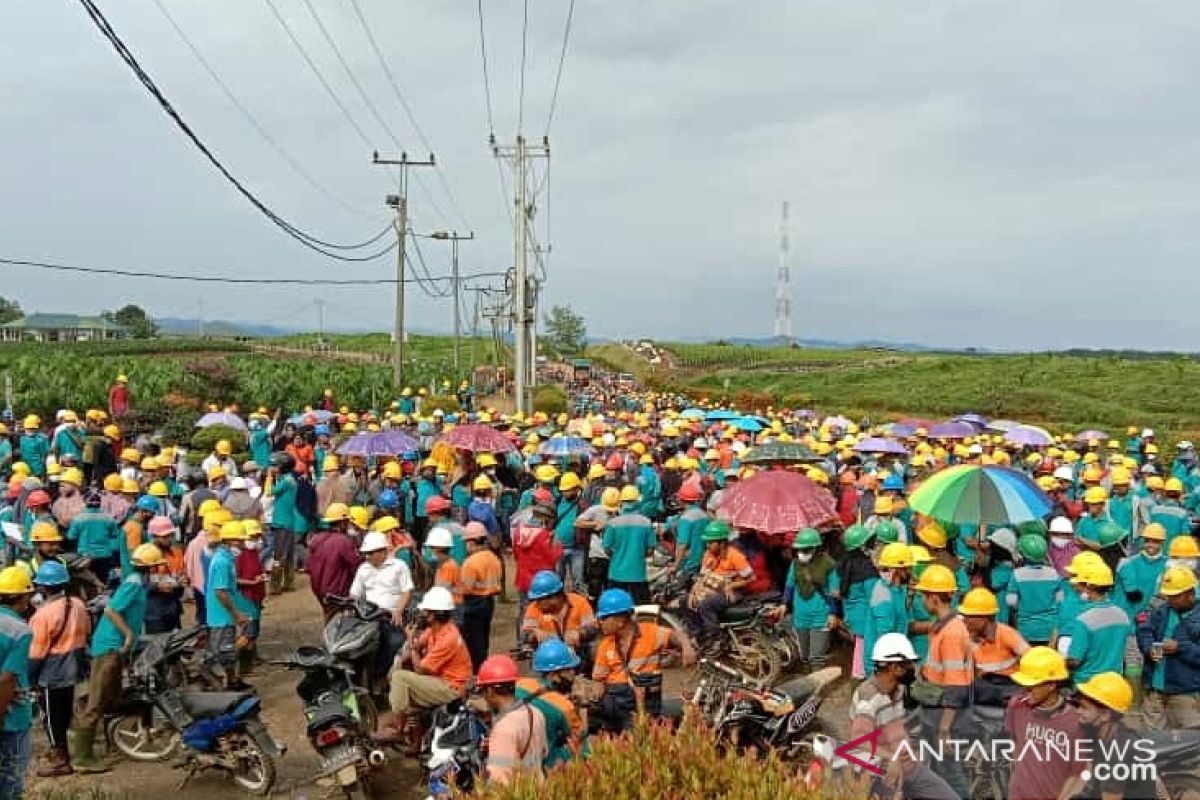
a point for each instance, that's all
(420, 347)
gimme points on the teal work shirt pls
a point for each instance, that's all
(688, 529)
(627, 539)
(1001, 574)
(811, 613)
(1138, 574)
(1173, 517)
(917, 613)
(887, 613)
(222, 575)
(1120, 510)
(458, 542)
(1035, 591)
(34, 450)
(426, 489)
(69, 443)
(1088, 528)
(130, 602)
(1098, 640)
(564, 527)
(854, 602)
(1070, 608)
(260, 448)
(283, 509)
(1158, 678)
(15, 639)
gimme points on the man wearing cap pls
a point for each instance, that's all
(1098, 636)
(229, 612)
(425, 487)
(69, 503)
(240, 503)
(118, 397)
(689, 549)
(572, 561)
(221, 456)
(1169, 638)
(333, 558)
(69, 438)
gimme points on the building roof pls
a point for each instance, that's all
(52, 322)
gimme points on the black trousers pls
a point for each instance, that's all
(477, 626)
(57, 706)
(392, 638)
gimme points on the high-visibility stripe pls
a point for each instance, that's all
(996, 666)
(942, 666)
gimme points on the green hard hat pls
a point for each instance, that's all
(887, 532)
(807, 537)
(1035, 527)
(1110, 533)
(716, 531)
(1032, 547)
(856, 536)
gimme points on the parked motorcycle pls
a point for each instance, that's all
(352, 637)
(453, 749)
(219, 730)
(340, 718)
(1177, 762)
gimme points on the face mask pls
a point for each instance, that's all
(804, 557)
(1059, 542)
(252, 545)
(1154, 557)
(235, 549)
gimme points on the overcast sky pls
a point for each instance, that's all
(971, 173)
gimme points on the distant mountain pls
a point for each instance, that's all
(216, 327)
(826, 344)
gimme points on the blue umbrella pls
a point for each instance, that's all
(565, 446)
(693, 413)
(721, 415)
(382, 443)
(749, 424)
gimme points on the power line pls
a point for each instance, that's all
(309, 241)
(562, 57)
(524, 43)
(487, 82)
(428, 290)
(167, 276)
(291, 161)
(408, 112)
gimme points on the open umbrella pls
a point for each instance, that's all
(1088, 435)
(305, 417)
(952, 430)
(564, 446)
(693, 413)
(1027, 436)
(907, 427)
(877, 444)
(748, 424)
(778, 502)
(381, 443)
(836, 422)
(478, 438)
(720, 415)
(779, 453)
(221, 418)
(1003, 425)
(988, 495)
(977, 420)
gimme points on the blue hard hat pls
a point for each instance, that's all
(545, 584)
(534, 460)
(452, 418)
(410, 455)
(613, 602)
(893, 483)
(321, 430)
(148, 503)
(52, 573)
(553, 655)
(389, 499)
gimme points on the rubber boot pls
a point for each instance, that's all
(245, 661)
(277, 580)
(82, 741)
(289, 577)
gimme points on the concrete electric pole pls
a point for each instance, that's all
(400, 203)
(454, 238)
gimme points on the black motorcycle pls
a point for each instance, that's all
(219, 730)
(353, 636)
(453, 749)
(340, 718)
(1177, 762)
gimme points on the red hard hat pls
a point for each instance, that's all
(689, 493)
(37, 497)
(497, 670)
(543, 496)
(435, 504)
(614, 462)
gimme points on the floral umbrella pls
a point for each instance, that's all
(777, 502)
(478, 438)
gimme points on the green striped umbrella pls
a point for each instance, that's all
(989, 495)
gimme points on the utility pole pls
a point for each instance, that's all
(524, 313)
(454, 239)
(200, 317)
(400, 203)
(320, 304)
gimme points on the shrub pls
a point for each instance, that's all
(750, 400)
(179, 427)
(550, 400)
(653, 762)
(446, 402)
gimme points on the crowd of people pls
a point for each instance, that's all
(1095, 602)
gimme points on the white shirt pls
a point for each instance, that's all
(228, 464)
(383, 585)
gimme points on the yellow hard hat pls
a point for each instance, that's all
(224, 447)
(147, 555)
(933, 535)
(15, 580)
(630, 494)
(1090, 458)
(32, 422)
(1120, 476)
(392, 471)
(638, 447)
(1096, 575)
(979, 602)
(216, 473)
(130, 486)
(130, 454)
(568, 482)
(1183, 547)
(485, 460)
(1151, 449)
(1070, 457)
(112, 482)
(595, 472)
(209, 506)
(1154, 483)
(429, 463)
(385, 524)
(546, 473)
(349, 427)
(149, 464)
(895, 555)
(233, 530)
(1040, 664)
(1177, 580)
(610, 498)
(157, 489)
(252, 527)
(1093, 474)
(1154, 531)
(1108, 689)
(1173, 485)
(1095, 494)
(360, 517)
(330, 464)
(1082, 561)
(122, 378)
(645, 459)
(884, 505)
(483, 483)
(73, 476)
(112, 431)
(919, 554)
(938, 579)
(337, 512)
(44, 532)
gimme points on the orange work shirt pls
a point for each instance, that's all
(643, 656)
(481, 574)
(731, 564)
(446, 655)
(999, 651)
(949, 659)
(135, 535)
(449, 577)
(576, 614)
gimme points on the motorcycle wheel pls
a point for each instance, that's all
(358, 791)
(753, 654)
(368, 715)
(137, 742)
(254, 770)
(787, 649)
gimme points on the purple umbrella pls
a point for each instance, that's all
(877, 444)
(972, 419)
(221, 418)
(1087, 436)
(952, 430)
(907, 427)
(383, 443)
(1026, 436)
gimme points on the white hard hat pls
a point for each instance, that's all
(1064, 474)
(975, 449)
(437, 412)
(439, 537)
(437, 599)
(893, 647)
(374, 540)
(1004, 537)
(1061, 525)
(1147, 433)
(701, 443)
(237, 483)
(738, 447)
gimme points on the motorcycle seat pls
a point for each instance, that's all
(1170, 745)
(212, 704)
(799, 689)
(747, 607)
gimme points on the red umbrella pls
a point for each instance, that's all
(778, 502)
(478, 438)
